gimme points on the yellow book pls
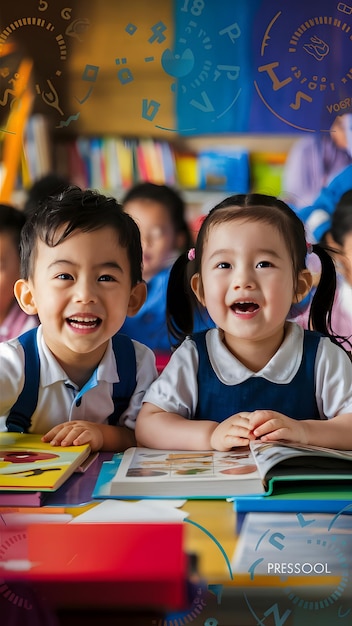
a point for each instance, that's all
(28, 464)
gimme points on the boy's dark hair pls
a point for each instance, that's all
(170, 199)
(12, 221)
(341, 222)
(84, 210)
(261, 208)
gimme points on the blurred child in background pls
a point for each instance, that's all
(315, 160)
(338, 240)
(13, 321)
(159, 211)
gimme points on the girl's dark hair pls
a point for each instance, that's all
(59, 216)
(170, 199)
(260, 208)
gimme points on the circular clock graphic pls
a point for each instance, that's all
(206, 86)
(303, 70)
(310, 555)
(11, 551)
(55, 28)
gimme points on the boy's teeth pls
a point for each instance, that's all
(82, 322)
(83, 319)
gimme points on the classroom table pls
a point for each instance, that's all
(217, 596)
(238, 599)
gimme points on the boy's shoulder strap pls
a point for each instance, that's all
(19, 418)
(126, 364)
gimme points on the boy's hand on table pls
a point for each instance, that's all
(76, 433)
(272, 426)
(232, 432)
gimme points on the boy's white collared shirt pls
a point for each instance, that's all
(57, 397)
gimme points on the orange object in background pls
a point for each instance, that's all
(12, 135)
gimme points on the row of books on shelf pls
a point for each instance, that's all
(36, 158)
(114, 163)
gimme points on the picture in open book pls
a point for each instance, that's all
(145, 472)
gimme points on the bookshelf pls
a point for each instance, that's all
(96, 36)
(112, 163)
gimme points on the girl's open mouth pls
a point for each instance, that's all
(244, 307)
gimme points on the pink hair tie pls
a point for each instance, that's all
(191, 255)
(309, 247)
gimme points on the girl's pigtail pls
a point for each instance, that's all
(179, 299)
(323, 300)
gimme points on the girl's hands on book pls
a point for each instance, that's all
(232, 432)
(271, 426)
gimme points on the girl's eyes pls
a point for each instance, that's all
(261, 264)
(223, 265)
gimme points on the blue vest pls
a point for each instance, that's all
(217, 401)
(19, 418)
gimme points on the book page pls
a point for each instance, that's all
(150, 464)
(270, 454)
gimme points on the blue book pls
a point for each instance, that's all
(334, 498)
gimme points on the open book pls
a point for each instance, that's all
(144, 472)
(29, 465)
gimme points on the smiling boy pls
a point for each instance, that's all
(81, 267)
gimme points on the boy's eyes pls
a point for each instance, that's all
(264, 264)
(64, 276)
(106, 278)
(103, 278)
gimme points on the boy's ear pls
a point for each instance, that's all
(137, 298)
(197, 288)
(24, 296)
(304, 285)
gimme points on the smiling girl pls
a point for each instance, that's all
(255, 375)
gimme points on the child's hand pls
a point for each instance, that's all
(272, 426)
(232, 432)
(76, 433)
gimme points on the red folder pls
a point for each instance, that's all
(110, 565)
